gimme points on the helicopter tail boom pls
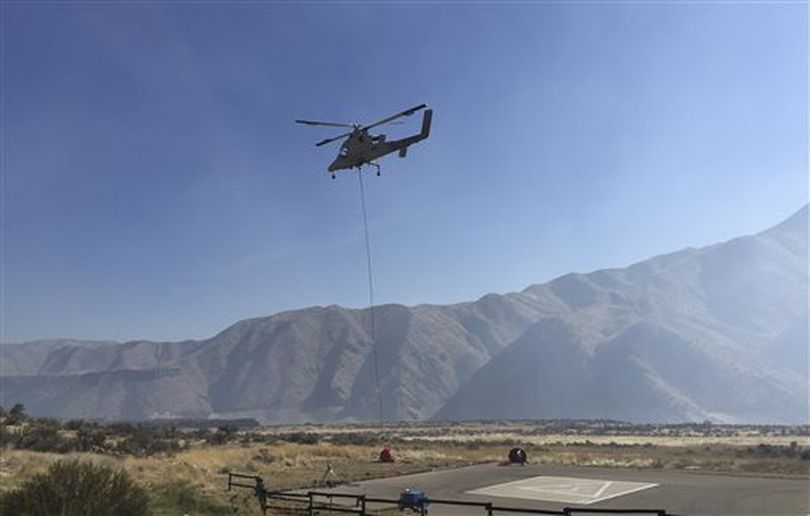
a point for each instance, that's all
(423, 134)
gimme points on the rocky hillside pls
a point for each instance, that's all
(718, 333)
(313, 364)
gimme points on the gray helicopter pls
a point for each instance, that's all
(362, 148)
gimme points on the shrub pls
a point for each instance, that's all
(143, 445)
(356, 438)
(300, 438)
(264, 456)
(75, 424)
(6, 437)
(139, 440)
(88, 439)
(74, 487)
(43, 439)
(223, 435)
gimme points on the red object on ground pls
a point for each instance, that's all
(517, 456)
(386, 455)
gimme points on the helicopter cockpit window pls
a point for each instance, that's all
(344, 151)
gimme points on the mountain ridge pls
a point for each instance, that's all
(733, 303)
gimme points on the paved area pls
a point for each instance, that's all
(678, 492)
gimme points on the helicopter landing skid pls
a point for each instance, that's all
(360, 167)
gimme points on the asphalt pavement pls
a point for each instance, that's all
(551, 487)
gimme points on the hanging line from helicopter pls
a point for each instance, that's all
(361, 148)
(372, 329)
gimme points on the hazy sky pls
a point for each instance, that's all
(154, 185)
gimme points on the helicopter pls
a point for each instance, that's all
(362, 148)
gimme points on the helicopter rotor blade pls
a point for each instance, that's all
(407, 112)
(330, 140)
(328, 124)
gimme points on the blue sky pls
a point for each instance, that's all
(154, 185)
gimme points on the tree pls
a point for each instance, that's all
(16, 415)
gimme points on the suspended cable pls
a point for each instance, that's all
(374, 360)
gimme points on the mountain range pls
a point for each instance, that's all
(717, 333)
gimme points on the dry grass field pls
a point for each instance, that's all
(191, 477)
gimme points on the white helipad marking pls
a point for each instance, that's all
(564, 489)
(602, 489)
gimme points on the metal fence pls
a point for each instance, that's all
(317, 501)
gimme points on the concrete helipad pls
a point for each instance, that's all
(583, 491)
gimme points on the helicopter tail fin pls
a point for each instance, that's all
(426, 120)
(402, 145)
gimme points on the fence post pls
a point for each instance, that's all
(309, 509)
(488, 507)
(363, 505)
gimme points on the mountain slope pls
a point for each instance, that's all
(313, 365)
(714, 333)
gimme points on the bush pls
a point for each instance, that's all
(141, 445)
(223, 435)
(76, 424)
(43, 439)
(74, 487)
(356, 438)
(16, 415)
(141, 440)
(300, 438)
(6, 437)
(88, 439)
(264, 456)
